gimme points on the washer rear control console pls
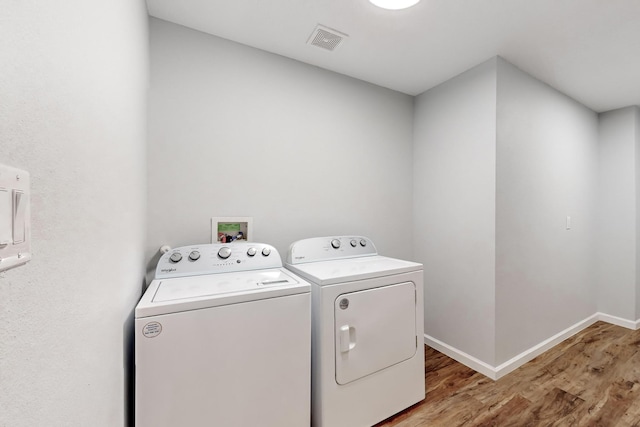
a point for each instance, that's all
(206, 259)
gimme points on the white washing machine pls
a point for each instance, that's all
(367, 330)
(222, 338)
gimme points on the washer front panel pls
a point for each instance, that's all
(206, 367)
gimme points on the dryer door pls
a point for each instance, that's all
(374, 329)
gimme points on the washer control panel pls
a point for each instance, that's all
(217, 258)
(329, 248)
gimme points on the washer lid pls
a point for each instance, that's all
(174, 295)
(347, 270)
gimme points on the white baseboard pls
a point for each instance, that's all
(614, 320)
(530, 354)
(496, 372)
(462, 357)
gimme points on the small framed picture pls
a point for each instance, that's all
(228, 229)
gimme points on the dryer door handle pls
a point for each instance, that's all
(347, 338)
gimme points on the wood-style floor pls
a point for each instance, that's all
(591, 379)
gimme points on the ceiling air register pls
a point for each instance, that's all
(326, 38)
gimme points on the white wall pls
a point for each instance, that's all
(72, 112)
(617, 237)
(454, 208)
(500, 160)
(546, 171)
(235, 131)
(637, 177)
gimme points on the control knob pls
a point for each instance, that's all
(335, 243)
(251, 251)
(353, 243)
(194, 255)
(363, 243)
(224, 252)
(175, 257)
(266, 251)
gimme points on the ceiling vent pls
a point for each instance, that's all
(326, 38)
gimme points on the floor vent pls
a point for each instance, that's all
(326, 38)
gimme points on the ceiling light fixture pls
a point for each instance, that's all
(394, 4)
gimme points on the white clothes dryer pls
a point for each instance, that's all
(367, 330)
(222, 338)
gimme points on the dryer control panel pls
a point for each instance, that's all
(330, 248)
(217, 258)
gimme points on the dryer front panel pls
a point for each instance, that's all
(374, 329)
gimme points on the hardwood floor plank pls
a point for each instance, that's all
(612, 406)
(509, 414)
(631, 417)
(590, 379)
(553, 408)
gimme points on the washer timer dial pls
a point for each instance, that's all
(224, 252)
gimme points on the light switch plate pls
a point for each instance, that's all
(6, 210)
(15, 217)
